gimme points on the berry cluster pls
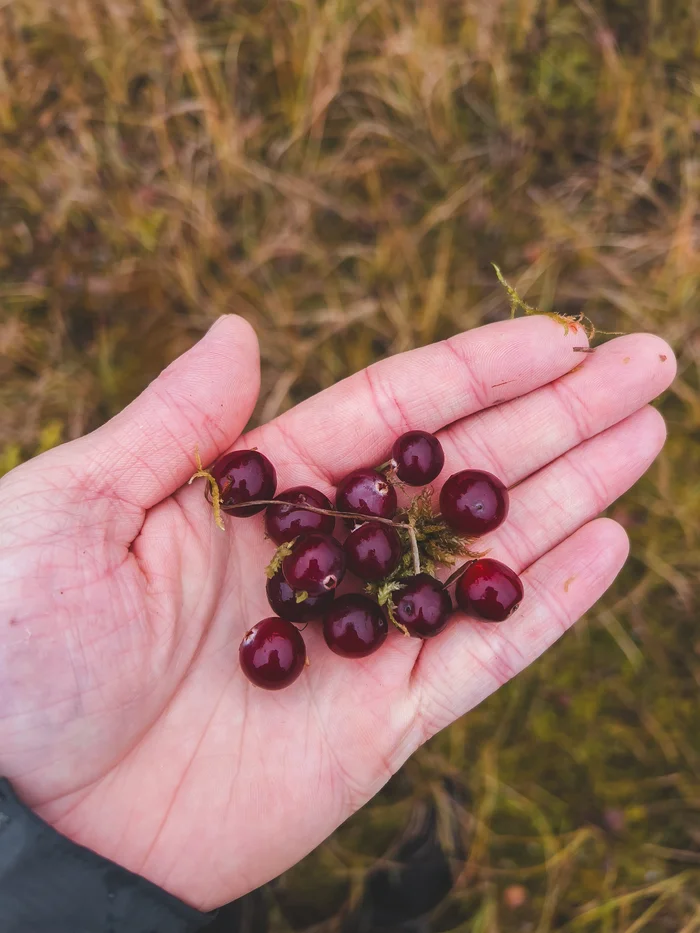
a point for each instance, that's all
(393, 550)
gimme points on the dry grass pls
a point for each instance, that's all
(342, 173)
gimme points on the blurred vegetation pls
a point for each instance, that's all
(342, 173)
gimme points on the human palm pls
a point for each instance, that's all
(126, 721)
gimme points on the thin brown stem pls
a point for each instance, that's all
(415, 553)
(453, 577)
(313, 508)
(414, 548)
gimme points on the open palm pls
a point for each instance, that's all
(125, 720)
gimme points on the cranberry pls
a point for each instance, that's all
(241, 476)
(355, 626)
(316, 564)
(283, 600)
(418, 456)
(489, 589)
(373, 550)
(367, 492)
(423, 606)
(473, 502)
(283, 522)
(272, 654)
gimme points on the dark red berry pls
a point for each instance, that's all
(242, 476)
(284, 522)
(355, 626)
(474, 502)
(316, 564)
(373, 550)
(423, 606)
(418, 456)
(367, 492)
(489, 589)
(272, 654)
(283, 600)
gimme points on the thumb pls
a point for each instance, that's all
(204, 399)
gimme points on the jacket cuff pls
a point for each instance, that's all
(48, 884)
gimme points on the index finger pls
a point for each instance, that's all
(355, 422)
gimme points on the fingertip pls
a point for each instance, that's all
(654, 426)
(613, 543)
(234, 329)
(233, 340)
(660, 353)
(647, 352)
(201, 401)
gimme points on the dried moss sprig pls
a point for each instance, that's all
(568, 322)
(275, 565)
(437, 542)
(384, 596)
(437, 545)
(213, 489)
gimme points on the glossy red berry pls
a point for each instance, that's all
(367, 492)
(418, 456)
(373, 550)
(241, 476)
(316, 564)
(423, 606)
(284, 523)
(490, 590)
(283, 600)
(355, 626)
(474, 502)
(272, 654)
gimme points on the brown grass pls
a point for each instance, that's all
(343, 173)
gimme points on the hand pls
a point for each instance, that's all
(126, 721)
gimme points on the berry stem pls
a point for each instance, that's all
(216, 502)
(453, 577)
(313, 508)
(414, 548)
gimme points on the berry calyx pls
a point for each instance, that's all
(243, 476)
(423, 606)
(284, 523)
(418, 458)
(272, 654)
(474, 502)
(489, 589)
(355, 626)
(284, 602)
(316, 564)
(373, 551)
(366, 492)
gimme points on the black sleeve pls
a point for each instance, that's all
(48, 884)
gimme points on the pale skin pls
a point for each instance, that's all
(124, 718)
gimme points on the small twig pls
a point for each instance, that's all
(414, 548)
(313, 508)
(453, 577)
